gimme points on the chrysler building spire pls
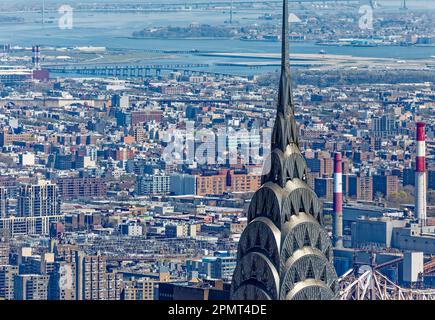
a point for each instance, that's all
(285, 103)
(285, 253)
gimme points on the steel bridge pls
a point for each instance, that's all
(373, 285)
(367, 283)
(138, 71)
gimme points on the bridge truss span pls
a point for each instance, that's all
(373, 285)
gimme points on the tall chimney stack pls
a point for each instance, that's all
(420, 175)
(36, 55)
(338, 201)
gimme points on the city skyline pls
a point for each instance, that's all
(216, 152)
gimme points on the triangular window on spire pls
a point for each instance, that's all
(296, 277)
(319, 243)
(295, 244)
(307, 240)
(323, 275)
(310, 271)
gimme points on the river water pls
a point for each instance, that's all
(113, 30)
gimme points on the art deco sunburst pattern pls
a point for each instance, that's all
(285, 253)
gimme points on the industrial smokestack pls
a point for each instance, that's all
(338, 201)
(38, 73)
(6, 48)
(36, 57)
(420, 175)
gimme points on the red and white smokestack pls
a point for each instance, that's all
(338, 201)
(420, 175)
(36, 56)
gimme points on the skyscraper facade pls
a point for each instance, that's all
(38, 200)
(285, 253)
(7, 274)
(4, 202)
(79, 276)
(31, 287)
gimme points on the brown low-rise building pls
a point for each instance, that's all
(81, 187)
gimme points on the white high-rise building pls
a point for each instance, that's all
(38, 200)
